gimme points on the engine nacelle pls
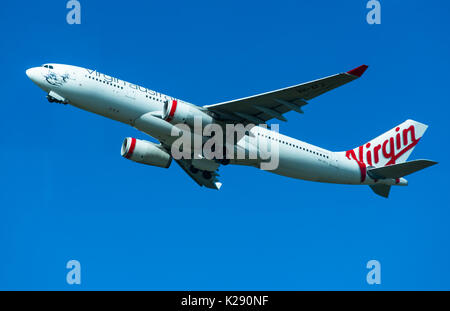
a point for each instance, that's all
(145, 152)
(181, 113)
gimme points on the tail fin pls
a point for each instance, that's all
(392, 147)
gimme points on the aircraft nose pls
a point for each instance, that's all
(32, 73)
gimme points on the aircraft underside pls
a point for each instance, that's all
(198, 138)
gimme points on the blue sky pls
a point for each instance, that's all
(67, 194)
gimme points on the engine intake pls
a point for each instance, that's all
(145, 152)
(181, 113)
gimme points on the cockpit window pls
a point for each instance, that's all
(48, 66)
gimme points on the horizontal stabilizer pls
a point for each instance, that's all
(399, 170)
(382, 190)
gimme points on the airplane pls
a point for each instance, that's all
(380, 163)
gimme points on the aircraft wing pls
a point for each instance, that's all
(212, 183)
(260, 108)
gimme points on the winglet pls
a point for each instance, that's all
(358, 72)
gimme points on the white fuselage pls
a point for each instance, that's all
(125, 102)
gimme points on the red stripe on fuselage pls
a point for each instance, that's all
(362, 166)
(363, 169)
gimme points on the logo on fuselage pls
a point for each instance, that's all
(56, 79)
(383, 153)
(94, 74)
(390, 150)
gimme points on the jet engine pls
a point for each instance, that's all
(145, 152)
(176, 112)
